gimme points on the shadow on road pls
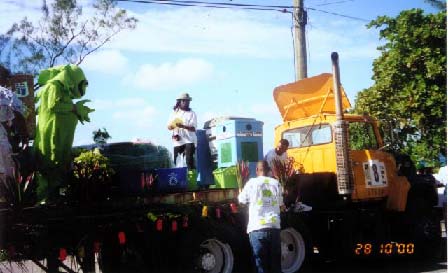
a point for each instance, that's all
(381, 265)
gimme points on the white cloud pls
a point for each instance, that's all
(241, 33)
(134, 112)
(131, 103)
(102, 104)
(350, 39)
(170, 75)
(260, 111)
(14, 11)
(206, 116)
(140, 117)
(110, 62)
(223, 32)
(218, 32)
(269, 109)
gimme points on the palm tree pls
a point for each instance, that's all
(100, 137)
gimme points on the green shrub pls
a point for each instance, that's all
(92, 175)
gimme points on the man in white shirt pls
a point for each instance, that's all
(183, 123)
(265, 198)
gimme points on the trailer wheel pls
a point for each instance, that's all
(204, 250)
(426, 233)
(293, 250)
(215, 257)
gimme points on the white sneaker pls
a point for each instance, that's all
(300, 207)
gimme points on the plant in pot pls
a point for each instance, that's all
(92, 176)
(284, 172)
(242, 173)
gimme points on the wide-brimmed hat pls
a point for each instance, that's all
(184, 96)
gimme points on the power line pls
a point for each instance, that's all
(220, 5)
(283, 9)
(340, 15)
(224, 4)
(332, 3)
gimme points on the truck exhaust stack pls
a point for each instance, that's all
(343, 174)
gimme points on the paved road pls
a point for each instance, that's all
(367, 266)
(392, 266)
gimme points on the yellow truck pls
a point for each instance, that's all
(362, 203)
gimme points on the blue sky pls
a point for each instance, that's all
(228, 60)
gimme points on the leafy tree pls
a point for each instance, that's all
(100, 137)
(64, 34)
(438, 4)
(409, 93)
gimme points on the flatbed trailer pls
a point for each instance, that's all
(189, 231)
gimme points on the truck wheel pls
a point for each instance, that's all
(215, 257)
(293, 250)
(426, 234)
(204, 250)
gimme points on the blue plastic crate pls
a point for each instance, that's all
(171, 179)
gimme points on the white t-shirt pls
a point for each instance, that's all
(272, 155)
(188, 118)
(264, 196)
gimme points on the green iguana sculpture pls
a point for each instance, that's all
(57, 120)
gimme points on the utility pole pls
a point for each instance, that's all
(300, 20)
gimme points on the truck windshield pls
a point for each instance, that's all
(362, 136)
(308, 136)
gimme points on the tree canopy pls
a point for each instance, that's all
(409, 94)
(438, 4)
(100, 137)
(64, 34)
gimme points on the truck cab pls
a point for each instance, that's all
(313, 129)
(364, 202)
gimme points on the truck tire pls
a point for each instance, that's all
(294, 250)
(423, 222)
(422, 195)
(427, 237)
(205, 249)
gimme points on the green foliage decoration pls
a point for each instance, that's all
(92, 166)
(92, 175)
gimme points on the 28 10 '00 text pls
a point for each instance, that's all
(392, 248)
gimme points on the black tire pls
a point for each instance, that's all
(422, 195)
(424, 223)
(205, 248)
(426, 235)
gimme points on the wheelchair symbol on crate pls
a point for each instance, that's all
(21, 89)
(172, 179)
